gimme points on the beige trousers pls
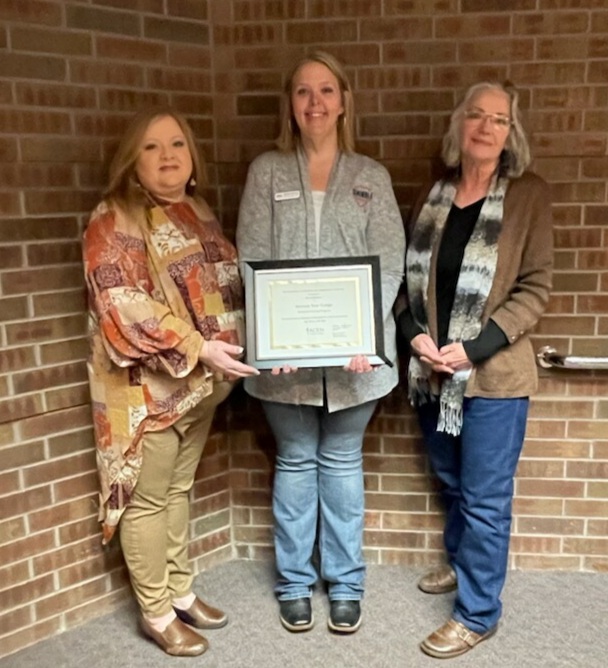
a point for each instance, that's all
(154, 526)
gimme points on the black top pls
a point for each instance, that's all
(456, 234)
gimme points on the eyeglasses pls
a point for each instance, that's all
(499, 121)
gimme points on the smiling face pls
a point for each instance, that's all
(316, 101)
(483, 133)
(164, 163)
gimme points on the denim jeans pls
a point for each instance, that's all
(318, 482)
(476, 471)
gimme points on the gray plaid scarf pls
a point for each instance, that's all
(472, 290)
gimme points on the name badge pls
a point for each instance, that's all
(288, 194)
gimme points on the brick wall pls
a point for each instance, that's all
(72, 72)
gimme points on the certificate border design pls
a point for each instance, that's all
(257, 307)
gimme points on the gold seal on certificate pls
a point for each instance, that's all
(312, 313)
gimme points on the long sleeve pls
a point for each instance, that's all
(386, 238)
(135, 326)
(529, 293)
(254, 230)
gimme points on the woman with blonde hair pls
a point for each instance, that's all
(166, 332)
(316, 198)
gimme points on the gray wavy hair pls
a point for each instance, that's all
(516, 154)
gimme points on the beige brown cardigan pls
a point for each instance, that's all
(520, 290)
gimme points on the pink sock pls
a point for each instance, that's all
(184, 602)
(160, 623)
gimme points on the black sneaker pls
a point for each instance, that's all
(296, 614)
(344, 616)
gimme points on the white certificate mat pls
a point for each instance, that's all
(311, 313)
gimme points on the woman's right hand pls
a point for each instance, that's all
(424, 347)
(222, 357)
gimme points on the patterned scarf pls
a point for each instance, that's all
(472, 290)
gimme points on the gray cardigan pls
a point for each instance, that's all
(360, 216)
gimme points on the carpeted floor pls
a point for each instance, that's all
(551, 620)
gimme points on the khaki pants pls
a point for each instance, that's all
(154, 526)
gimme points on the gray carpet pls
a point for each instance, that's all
(552, 620)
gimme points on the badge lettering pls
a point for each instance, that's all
(287, 194)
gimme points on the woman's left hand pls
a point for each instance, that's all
(278, 370)
(454, 356)
(359, 364)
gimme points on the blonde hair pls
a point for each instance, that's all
(516, 154)
(289, 136)
(123, 185)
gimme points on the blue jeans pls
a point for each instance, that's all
(318, 480)
(476, 472)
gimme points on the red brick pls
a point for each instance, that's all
(51, 41)
(592, 260)
(419, 52)
(106, 73)
(54, 95)
(131, 100)
(245, 10)
(307, 32)
(548, 73)
(32, 11)
(497, 5)
(29, 229)
(189, 55)
(595, 168)
(38, 175)
(73, 301)
(454, 27)
(18, 408)
(27, 592)
(13, 308)
(190, 9)
(553, 121)
(391, 29)
(147, 6)
(20, 121)
(578, 192)
(171, 30)
(32, 67)
(9, 483)
(69, 598)
(37, 280)
(445, 75)
(578, 282)
(89, 18)
(130, 49)
(62, 351)
(550, 23)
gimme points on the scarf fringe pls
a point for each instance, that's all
(450, 418)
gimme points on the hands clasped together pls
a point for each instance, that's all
(447, 359)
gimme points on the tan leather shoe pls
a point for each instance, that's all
(452, 639)
(177, 639)
(439, 581)
(202, 616)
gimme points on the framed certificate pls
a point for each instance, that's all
(313, 313)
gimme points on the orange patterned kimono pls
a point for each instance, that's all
(157, 288)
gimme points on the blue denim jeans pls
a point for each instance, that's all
(476, 471)
(318, 481)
